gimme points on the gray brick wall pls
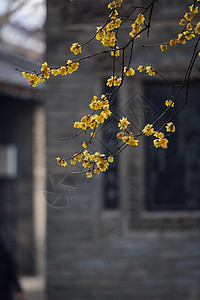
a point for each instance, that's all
(92, 253)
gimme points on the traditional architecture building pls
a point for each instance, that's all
(22, 163)
(133, 232)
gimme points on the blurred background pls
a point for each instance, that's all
(131, 233)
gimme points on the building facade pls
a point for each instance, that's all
(133, 232)
(22, 142)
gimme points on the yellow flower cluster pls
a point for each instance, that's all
(123, 123)
(76, 158)
(34, 79)
(69, 68)
(96, 163)
(129, 71)
(115, 4)
(115, 52)
(61, 162)
(113, 24)
(161, 141)
(128, 139)
(148, 69)
(136, 26)
(189, 33)
(107, 37)
(114, 81)
(76, 48)
(46, 70)
(193, 10)
(93, 121)
(148, 130)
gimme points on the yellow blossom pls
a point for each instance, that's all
(110, 159)
(109, 39)
(182, 22)
(123, 124)
(159, 134)
(84, 145)
(170, 127)
(162, 142)
(115, 4)
(33, 83)
(86, 163)
(197, 28)
(114, 14)
(89, 174)
(41, 78)
(169, 103)
(131, 140)
(189, 16)
(75, 48)
(110, 26)
(125, 139)
(181, 39)
(61, 162)
(189, 26)
(140, 19)
(45, 67)
(79, 157)
(114, 81)
(97, 171)
(149, 71)
(101, 162)
(129, 72)
(86, 154)
(188, 35)
(172, 43)
(54, 72)
(117, 23)
(72, 66)
(73, 162)
(136, 28)
(163, 47)
(115, 52)
(77, 125)
(120, 135)
(100, 33)
(33, 78)
(83, 126)
(141, 68)
(193, 9)
(148, 130)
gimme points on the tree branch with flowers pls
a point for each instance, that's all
(139, 19)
